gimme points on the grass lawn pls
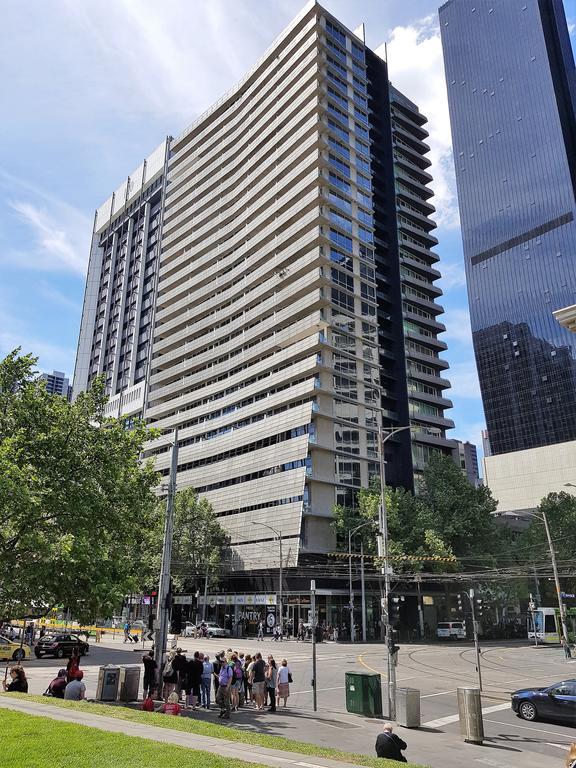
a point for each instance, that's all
(215, 730)
(38, 742)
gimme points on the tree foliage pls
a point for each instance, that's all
(199, 545)
(532, 545)
(447, 517)
(73, 497)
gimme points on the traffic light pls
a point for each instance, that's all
(460, 603)
(479, 606)
(393, 609)
(392, 647)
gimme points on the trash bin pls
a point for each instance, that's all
(129, 683)
(470, 714)
(408, 707)
(363, 694)
(108, 680)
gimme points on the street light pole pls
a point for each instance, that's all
(542, 516)
(363, 589)
(471, 596)
(351, 533)
(383, 552)
(278, 534)
(164, 585)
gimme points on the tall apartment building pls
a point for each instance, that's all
(465, 456)
(119, 301)
(512, 96)
(57, 384)
(296, 307)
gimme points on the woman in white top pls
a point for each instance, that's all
(283, 682)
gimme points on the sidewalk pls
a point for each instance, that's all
(426, 746)
(221, 747)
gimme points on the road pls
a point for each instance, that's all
(436, 670)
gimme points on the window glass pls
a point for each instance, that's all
(336, 50)
(344, 364)
(337, 129)
(341, 240)
(348, 472)
(340, 201)
(341, 221)
(337, 33)
(343, 321)
(340, 165)
(342, 259)
(345, 387)
(346, 439)
(338, 147)
(338, 182)
(343, 279)
(343, 300)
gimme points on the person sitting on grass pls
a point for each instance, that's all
(171, 707)
(18, 682)
(389, 745)
(58, 685)
(75, 690)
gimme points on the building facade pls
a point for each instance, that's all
(465, 456)
(512, 97)
(120, 296)
(296, 308)
(57, 384)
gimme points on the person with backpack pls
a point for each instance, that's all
(238, 674)
(169, 676)
(180, 665)
(206, 681)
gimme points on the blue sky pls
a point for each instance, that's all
(90, 88)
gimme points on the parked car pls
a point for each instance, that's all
(10, 649)
(451, 630)
(556, 702)
(212, 629)
(60, 645)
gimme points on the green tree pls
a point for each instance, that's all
(200, 545)
(459, 513)
(532, 545)
(73, 497)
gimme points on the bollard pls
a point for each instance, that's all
(470, 714)
(408, 707)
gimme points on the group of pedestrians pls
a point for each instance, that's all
(68, 683)
(235, 679)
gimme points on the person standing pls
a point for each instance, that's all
(566, 647)
(150, 668)
(75, 690)
(283, 682)
(127, 636)
(390, 746)
(18, 682)
(271, 681)
(179, 665)
(246, 678)
(259, 681)
(194, 670)
(225, 677)
(260, 631)
(73, 666)
(206, 681)
(169, 676)
(300, 635)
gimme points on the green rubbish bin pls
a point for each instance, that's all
(363, 694)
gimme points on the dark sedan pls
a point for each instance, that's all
(60, 645)
(556, 702)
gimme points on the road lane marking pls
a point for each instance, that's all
(528, 728)
(337, 688)
(454, 718)
(559, 746)
(441, 693)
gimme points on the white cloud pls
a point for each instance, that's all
(453, 275)
(464, 379)
(416, 67)
(50, 356)
(457, 322)
(58, 234)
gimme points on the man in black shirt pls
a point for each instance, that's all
(389, 745)
(149, 673)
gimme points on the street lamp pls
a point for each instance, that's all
(542, 516)
(352, 631)
(279, 536)
(385, 435)
(164, 585)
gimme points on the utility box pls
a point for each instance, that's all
(129, 683)
(470, 714)
(363, 694)
(408, 707)
(108, 681)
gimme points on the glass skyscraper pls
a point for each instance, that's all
(512, 97)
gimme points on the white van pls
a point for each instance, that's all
(451, 630)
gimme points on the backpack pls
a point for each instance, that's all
(238, 674)
(168, 670)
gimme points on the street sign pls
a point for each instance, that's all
(566, 594)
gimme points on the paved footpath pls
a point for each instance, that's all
(429, 747)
